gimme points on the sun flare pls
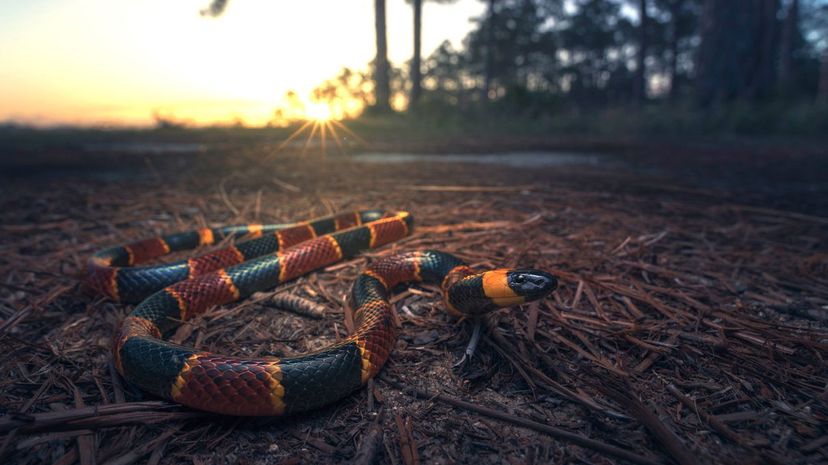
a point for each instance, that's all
(318, 111)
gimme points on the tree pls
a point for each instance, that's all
(445, 70)
(640, 90)
(736, 58)
(416, 65)
(675, 9)
(595, 40)
(822, 91)
(815, 27)
(382, 86)
(683, 29)
(416, 60)
(790, 29)
(490, 44)
(672, 42)
(346, 95)
(507, 47)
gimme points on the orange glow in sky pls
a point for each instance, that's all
(118, 62)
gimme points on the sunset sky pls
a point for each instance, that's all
(116, 62)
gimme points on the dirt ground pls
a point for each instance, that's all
(691, 325)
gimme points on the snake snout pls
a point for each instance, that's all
(531, 284)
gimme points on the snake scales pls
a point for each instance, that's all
(170, 294)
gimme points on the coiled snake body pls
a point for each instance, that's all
(171, 294)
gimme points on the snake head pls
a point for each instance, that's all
(531, 284)
(483, 292)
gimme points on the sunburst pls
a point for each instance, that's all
(320, 124)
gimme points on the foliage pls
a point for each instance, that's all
(571, 65)
(584, 52)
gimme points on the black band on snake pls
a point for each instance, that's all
(171, 294)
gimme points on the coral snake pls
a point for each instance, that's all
(170, 294)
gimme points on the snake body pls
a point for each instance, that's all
(171, 294)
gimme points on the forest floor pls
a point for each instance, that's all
(691, 324)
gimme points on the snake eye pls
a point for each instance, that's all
(519, 279)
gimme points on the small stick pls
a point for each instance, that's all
(653, 356)
(371, 441)
(117, 388)
(155, 447)
(285, 185)
(431, 188)
(86, 442)
(578, 292)
(408, 448)
(225, 198)
(623, 393)
(97, 416)
(36, 396)
(369, 390)
(468, 226)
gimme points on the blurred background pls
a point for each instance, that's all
(710, 93)
(612, 67)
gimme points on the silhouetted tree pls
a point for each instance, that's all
(382, 86)
(445, 70)
(815, 25)
(537, 53)
(822, 92)
(490, 46)
(640, 90)
(347, 94)
(416, 65)
(416, 60)
(790, 30)
(677, 37)
(594, 39)
(738, 49)
(508, 48)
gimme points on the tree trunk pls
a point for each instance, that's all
(789, 29)
(737, 54)
(675, 9)
(490, 44)
(416, 88)
(764, 82)
(640, 91)
(705, 74)
(382, 90)
(822, 93)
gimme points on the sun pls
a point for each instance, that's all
(320, 122)
(318, 111)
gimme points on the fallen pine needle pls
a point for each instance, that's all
(558, 433)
